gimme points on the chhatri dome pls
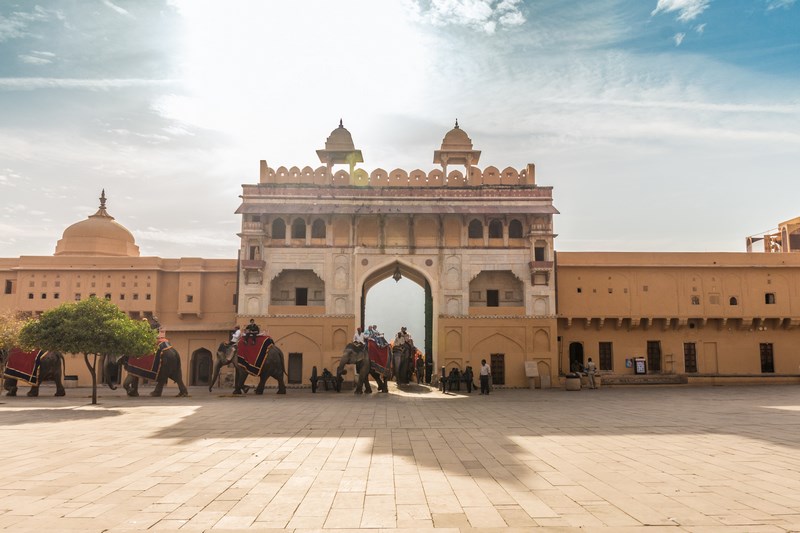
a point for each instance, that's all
(340, 149)
(98, 235)
(457, 150)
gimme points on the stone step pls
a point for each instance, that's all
(644, 379)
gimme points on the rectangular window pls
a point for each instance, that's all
(30, 296)
(769, 298)
(606, 354)
(146, 296)
(538, 253)
(77, 297)
(689, 357)
(9, 286)
(189, 298)
(767, 358)
(255, 253)
(492, 298)
(300, 296)
(654, 356)
(135, 296)
(121, 296)
(56, 296)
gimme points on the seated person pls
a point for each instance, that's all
(252, 332)
(359, 339)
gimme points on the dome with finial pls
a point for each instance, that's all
(339, 148)
(98, 235)
(456, 140)
(340, 139)
(456, 149)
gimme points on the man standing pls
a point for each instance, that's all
(486, 372)
(590, 371)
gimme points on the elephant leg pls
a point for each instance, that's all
(10, 385)
(59, 385)
(34, 392)
(262, 380)
(131, 385)
(183, 392)
(159, 386)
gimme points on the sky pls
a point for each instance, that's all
(663, 125)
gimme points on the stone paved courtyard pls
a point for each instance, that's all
(613, 459)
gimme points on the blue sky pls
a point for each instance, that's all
(661, 124)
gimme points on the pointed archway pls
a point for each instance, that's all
(402, 273)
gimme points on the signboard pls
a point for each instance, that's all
(641, 365)
(531, 369)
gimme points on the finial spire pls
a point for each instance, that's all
(340, 123)
(456, 123)
(103, 199)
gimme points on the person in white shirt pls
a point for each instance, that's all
(486, 372)
(359, 337)
(591, 368)
(236, 335)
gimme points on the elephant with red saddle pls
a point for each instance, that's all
(33, 367)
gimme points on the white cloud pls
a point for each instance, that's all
(687, 9)
(776, 4)
(28, 84)
(483, 15)
(700, 28)
(34, 60)
(678, 38)
(118, 9)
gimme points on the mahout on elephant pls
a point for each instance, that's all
(164, 364)
(358, 354)
(33, 367)
(263, 359)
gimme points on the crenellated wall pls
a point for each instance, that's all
(490, 176)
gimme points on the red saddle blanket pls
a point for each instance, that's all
(380, 357)
(24, 365)
(253, 356)
(148, 366)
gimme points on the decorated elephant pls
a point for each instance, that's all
(263, 359)
(358, 355)
(403, 360)
(33, 367)
(164, 364)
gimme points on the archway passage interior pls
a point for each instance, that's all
(396, 296)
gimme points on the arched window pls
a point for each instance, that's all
(299, 229)
(495, 229)
(318, 229)
(278, 229)
(515, 229)
(475, 229)
(695, 300)
(733, 301)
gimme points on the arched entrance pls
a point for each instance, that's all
(387, 280)
(201, 367)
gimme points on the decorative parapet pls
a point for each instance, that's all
(321, 176)
(253, 264)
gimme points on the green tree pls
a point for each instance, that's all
(11, 324)
(93, 327)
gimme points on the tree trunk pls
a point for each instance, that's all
(92, 371)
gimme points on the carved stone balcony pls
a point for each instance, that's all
(253, 264)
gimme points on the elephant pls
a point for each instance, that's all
(52, 367)
(354, 355)
(226, 356)
(170, 369)
(402, 358)
(273, 367)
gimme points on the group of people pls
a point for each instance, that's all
(590, 370)
(252, 330)
(361, 336)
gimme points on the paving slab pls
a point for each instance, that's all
(614, 459)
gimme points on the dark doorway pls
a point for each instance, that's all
(498, 367)
(295, 368)
(492, 298)
(654, 356)
(767, 358)
(689, 357)
(201, 367)
(301, 296)
(575, 357)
